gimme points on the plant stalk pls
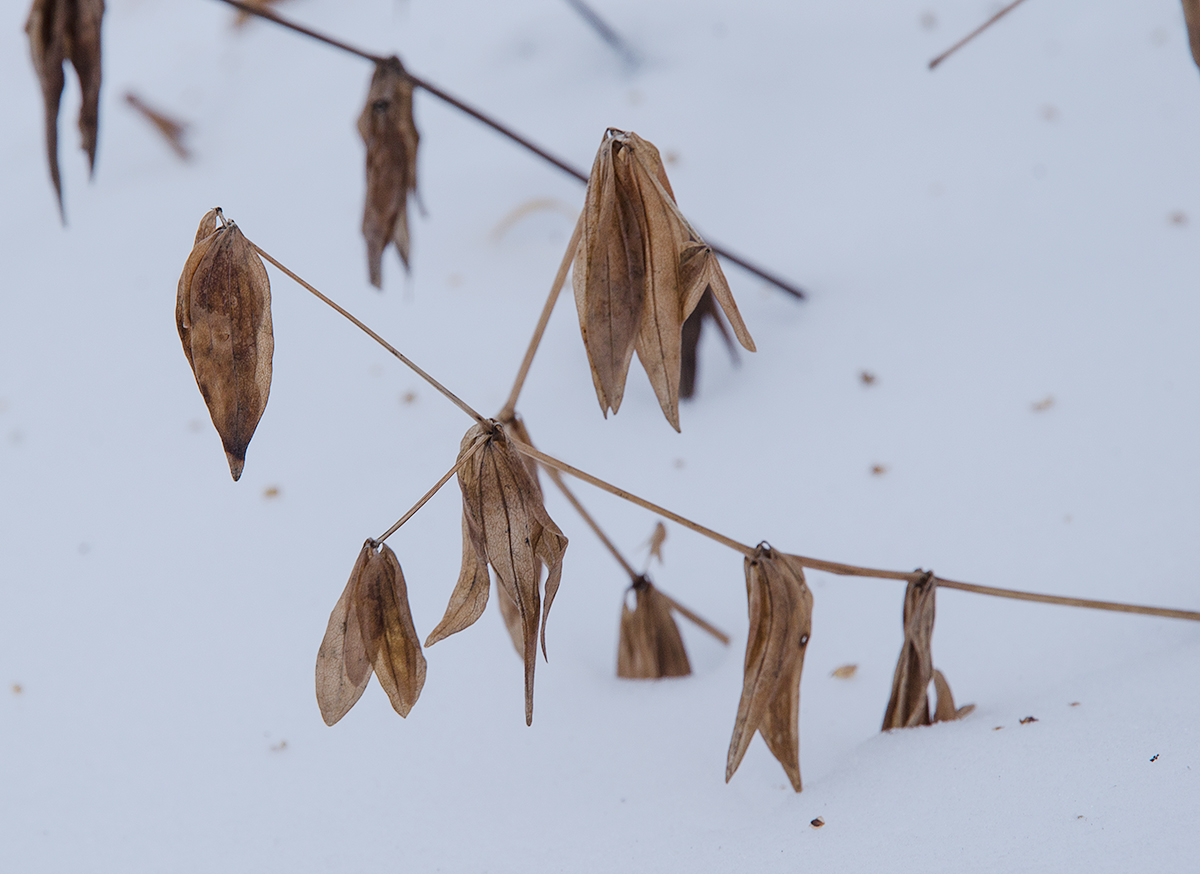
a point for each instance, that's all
(459, 402)
(970, 36)
(433, 491)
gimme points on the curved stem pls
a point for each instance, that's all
(459, 402)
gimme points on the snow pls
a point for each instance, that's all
(981, 238)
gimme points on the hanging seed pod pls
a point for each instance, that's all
(60, 31)
(640, 270)
(371, 628)
(650, 646)
(223, 311)
(909, 702)
(780, 625)
(387, 128)
(693, 327)
(508, 528)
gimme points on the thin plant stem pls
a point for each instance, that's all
(970, 36)
(433, 491)
(510, 406)
(500, 128)
(459, 402)
(557, 479)
(1069, 602)
(551, 461)
(695, 619)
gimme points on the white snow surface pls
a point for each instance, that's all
(1019, 225)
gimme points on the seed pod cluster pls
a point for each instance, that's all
(506, 526)
(60, 31)
(650, 646)
(640, 269)
(387, 128)
(223, 312)
(780, 625)
(909, 702)
(370, 630)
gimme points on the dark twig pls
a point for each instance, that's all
(970, 36)
(610, 36)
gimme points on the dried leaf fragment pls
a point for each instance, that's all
(370, 629)
(909, 702)
(387, 128)
(223, 312)
(845, 672)
(650, 646)
(640, 270)
(60, 31)
(507, 527)
(243, 17)
(780, 606)
(171, 129)
(657, 539)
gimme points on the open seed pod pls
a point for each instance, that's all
(370, 629)
(60, 31)
(223, 312)
(387, 128)
(507, 527)
(640, 270)
(909, 702)
(650, 646)
(780, 625)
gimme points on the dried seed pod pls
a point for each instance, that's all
(909, 702)
(509, 529)
(639, 272)
(387, 128)
(693, 327)
(780, 625)
(371, 628)
(59, 31)
(1191, 14)
(223, 311)
(650, 646)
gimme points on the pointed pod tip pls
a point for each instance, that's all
(235, 466)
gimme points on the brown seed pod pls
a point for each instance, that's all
(650, 646)
(387, 128)
(640, 270)
(1191, 14)
(223, 311)
(909, 702)
(60, 31)
(780, 625)
(370, 629)
(507, 527)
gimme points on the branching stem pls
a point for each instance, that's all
(459, 402)
(504, 130)
(467, 456)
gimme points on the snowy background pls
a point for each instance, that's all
(1017, 229)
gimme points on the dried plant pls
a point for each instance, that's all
(693, 327)
(243, 16)
(656, 541)
(909, 703)
(505, 525)
(60, 31)
(640, 270)
(223, 311)
(1191, 14)
(649, 646)
(387, 128)
(171, 129)
(780, 625)
(370, 628)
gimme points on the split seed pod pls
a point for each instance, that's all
(223, 311)
(650, 646)
(780, 625)
(909, 703)
(60, 31)
(370, 629)
(388, 130)
(506, 526)
(640, 270)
